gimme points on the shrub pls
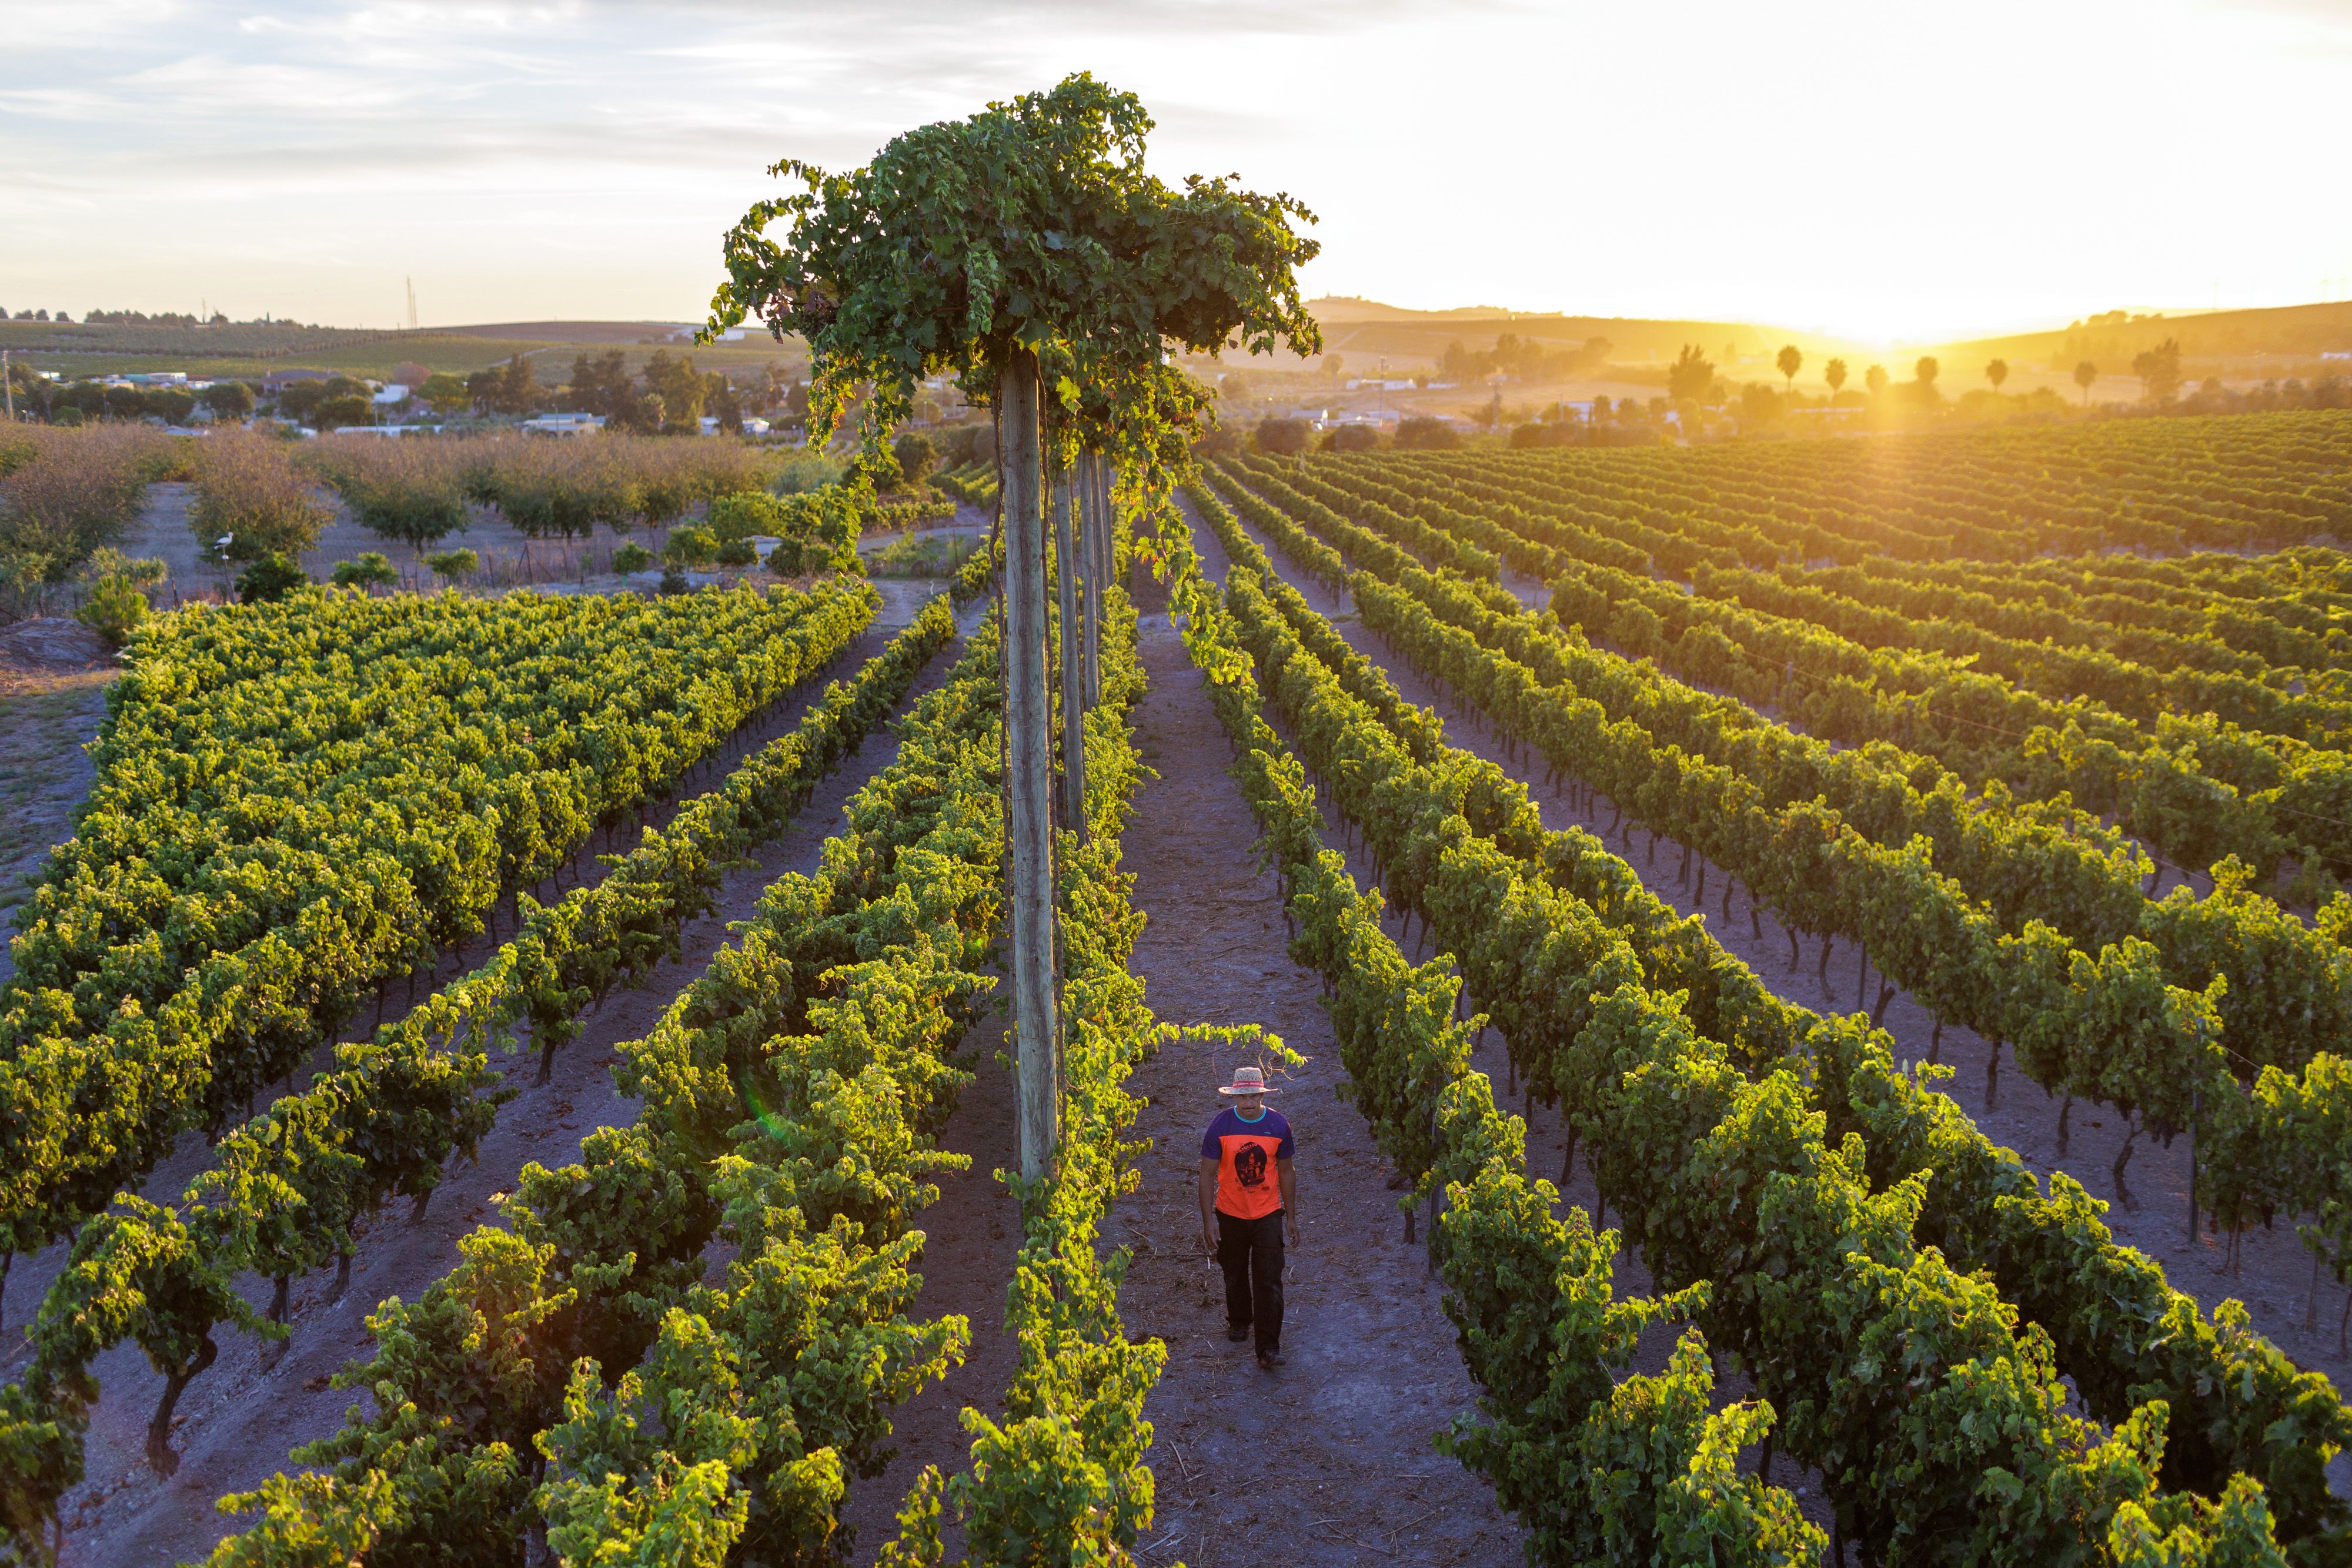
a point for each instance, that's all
(117, 605)
(632, 557)
(1422, 434)
(737, 553)
(673, 580)
(370, 570)
(739, 517)
(690, 547)
(114, 610)
(790, 558)
(1282, 437)
(269, 579)
(451, 565)
(1352, 438)
(247, 491)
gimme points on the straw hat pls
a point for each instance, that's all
(1247, 1080)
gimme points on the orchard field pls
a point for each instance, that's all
(1830, 956)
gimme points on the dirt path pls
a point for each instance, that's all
(972, 1235)
(2275, 1276)
(237, 1422)
(1327, 1460)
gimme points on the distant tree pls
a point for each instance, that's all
(1535, 435)
(125, 402)
(1997, 371)
(681, 390)
(518, 388)
(481, 391)
(1875, 379)
(632, 557)
(1281, 437)
(2158, 369)
(719, 400)
(1690, 376)
(229, 400)
(336, 412)
(1790, 362)
(1421, 432)
(171, 405)
(600, 384)
(918, 454)
(1925, 372)
(2084, 375)
(1332, 365)
(1759, 403)
(444, 391)
(1352, 438)
(1834, 373)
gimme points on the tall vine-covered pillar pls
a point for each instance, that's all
(1067, 568)
(1094, 558)
(1029, 773)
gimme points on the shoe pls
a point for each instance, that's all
(1270, 1359)
(1237, 1334)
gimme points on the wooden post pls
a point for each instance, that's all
(1029, 773)
(1073, 642)
(1094, 520)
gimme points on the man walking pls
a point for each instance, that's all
(1249, 1198)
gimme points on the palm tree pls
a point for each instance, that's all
(1834, 373)
(1997, 371)
(1875, 379)
(1790, 362)
(2084, 375)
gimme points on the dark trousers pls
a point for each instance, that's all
(1250, 1251)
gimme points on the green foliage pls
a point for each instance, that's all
(597, 1245)
(368, 569)
(1909, 1382)
(1280, 437)
(1690, 376)
(632, 557)
(453, 565)
(1032, 226)
(117, 605)
(247, 491)
(269, 579)
(916, 456)
(690, 547)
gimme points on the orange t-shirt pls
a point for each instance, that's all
(1245, 1152)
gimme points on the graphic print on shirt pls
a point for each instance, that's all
(1245, 1152)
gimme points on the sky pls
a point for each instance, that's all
(1886, 169)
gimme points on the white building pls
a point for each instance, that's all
(566, 424)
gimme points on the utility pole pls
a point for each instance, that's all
(1029, 774)
(1073, 642)
(9, 386)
